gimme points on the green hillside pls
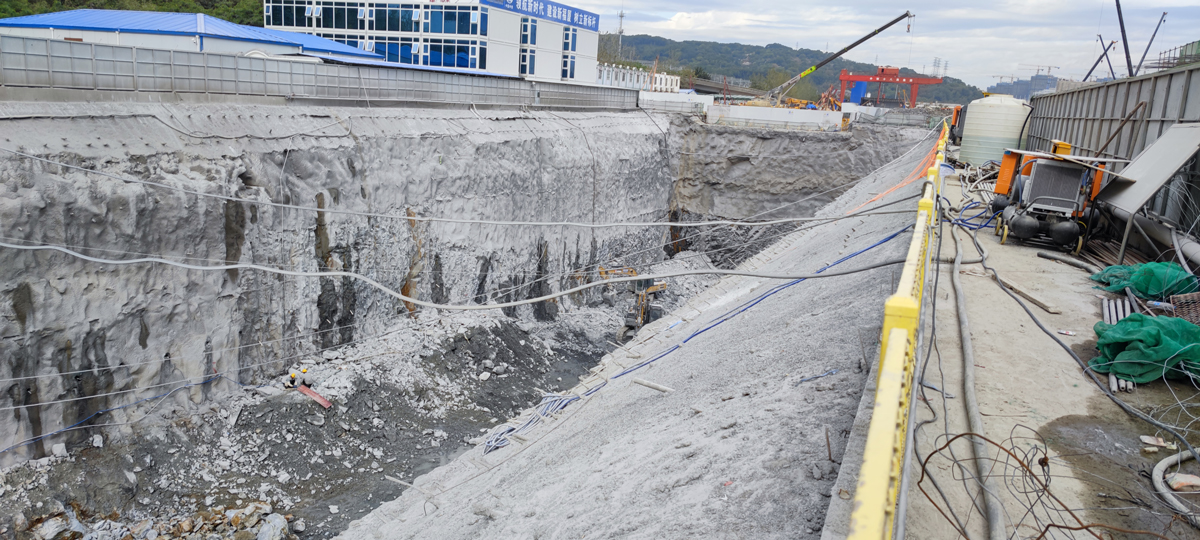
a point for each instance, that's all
(766, 66)
(249, 12)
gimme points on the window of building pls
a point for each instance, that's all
(568, 66)
(459, 53)
(397, 18)
(286, 13)
(570, 39)
(528, 61)
(403, 50)
(461, 20)
(528, 31)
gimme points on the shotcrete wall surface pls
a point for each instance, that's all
(72, 328)
(202, 354)
(740, 173)
(728, 418)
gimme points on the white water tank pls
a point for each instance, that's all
(993, 123)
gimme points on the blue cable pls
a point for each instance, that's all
(553, 403)
(755, 301)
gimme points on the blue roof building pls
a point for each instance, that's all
(176, 31)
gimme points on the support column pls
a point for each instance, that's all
(912, 103)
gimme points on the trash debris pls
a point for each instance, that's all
(653, 386)
(1067, 332)
(1157, 441)
(1183, 482)
(815, 377)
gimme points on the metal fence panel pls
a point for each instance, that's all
(251, 75)
(71, 65)
(155, 72)
(26, 62)
(114, 67)
(33, 62)
(220, 72)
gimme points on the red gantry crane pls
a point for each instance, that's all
(888, 75)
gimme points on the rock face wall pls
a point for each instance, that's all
(739, 173)
(71, 328)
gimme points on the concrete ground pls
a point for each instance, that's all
(1037, 406)
(746, 443)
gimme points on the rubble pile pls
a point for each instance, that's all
(269, 462)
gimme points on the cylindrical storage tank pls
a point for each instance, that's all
(994, 124)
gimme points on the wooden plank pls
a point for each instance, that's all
(315, 396)
(1046, 306)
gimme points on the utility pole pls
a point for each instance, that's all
(620, 32)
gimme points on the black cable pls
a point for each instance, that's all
(921, 380)
(1082, 365)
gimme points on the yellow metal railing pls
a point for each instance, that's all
(879, 479)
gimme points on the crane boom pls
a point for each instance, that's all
(776, 94)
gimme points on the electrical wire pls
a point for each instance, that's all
(1083, 365)
(995, 511)
(795, 278)
(396, 294)
(337, 328)
(556, 402)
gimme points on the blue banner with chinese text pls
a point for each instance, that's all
(551, 11)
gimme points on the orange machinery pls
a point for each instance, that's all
(1044, 195)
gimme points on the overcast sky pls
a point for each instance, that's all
(978, 39)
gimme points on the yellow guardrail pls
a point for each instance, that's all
(879, 479)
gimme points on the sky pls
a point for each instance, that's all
(979, 40)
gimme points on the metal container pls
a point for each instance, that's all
(994, 124)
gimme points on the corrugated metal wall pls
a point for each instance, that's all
(34, 62)
(1087, 116)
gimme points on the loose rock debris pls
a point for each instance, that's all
(271, 463)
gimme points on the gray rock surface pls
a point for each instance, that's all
(95, 329)
(737, 450)
(739, 173)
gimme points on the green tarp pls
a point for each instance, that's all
(1141, 348)
(1152, 281)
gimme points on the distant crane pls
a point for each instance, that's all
(1152, 36)
(1103, 55)
(775, 96)
(1039, 68)
(1011, 78)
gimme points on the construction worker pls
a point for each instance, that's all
(296, 379)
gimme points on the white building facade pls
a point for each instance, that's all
(534, 39)
(636, 79)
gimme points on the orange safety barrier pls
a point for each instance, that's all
(920, 172)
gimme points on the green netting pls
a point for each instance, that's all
(1153, 281)
(1141, 348)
